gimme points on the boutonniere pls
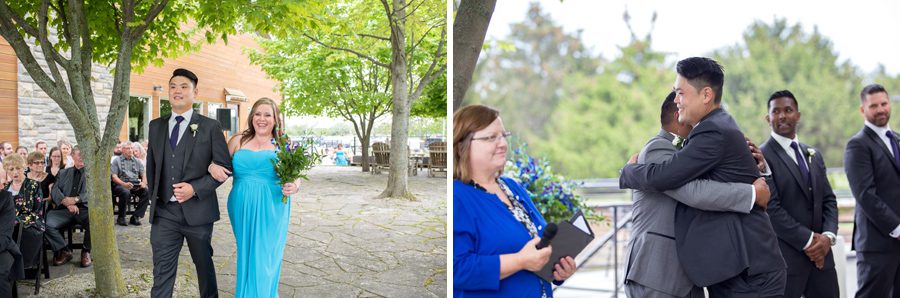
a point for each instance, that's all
(810, 152)
(194, 129)
(678, 142)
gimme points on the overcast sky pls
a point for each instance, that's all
(865, 31)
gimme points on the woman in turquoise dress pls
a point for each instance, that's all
(340, 158)
(259, 219)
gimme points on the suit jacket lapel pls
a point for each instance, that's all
(792, 166)
(818, 192)
(188, 138)
(879, 143)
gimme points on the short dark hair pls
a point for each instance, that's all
(667, 111)
(703, 72)
(780, 94)
(181, 72)
(870, 89)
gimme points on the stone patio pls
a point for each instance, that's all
(341, 243)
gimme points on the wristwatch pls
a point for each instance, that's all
(831, 238)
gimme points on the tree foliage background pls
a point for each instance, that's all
(588, 114)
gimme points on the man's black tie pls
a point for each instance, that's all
(801, 162)
(173, 139)
(893, 140)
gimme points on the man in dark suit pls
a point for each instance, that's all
(803, 209)
(70, 195)
(652, 269)
(872, 163)
(734, 255)
(183, 198)
(10, 256)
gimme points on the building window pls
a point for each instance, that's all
(138, 118)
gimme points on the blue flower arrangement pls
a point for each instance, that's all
(551, 193)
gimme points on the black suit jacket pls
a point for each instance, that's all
(713, 246)
(207, 146)
(794, 202)
(875, 182)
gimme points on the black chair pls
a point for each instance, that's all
(42, 265)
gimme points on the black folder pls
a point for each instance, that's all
(570, 240)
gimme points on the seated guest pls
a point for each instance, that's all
(66, 149)
(22, 151)
(70, 195)
(26, 194)
(129, 179)
(55, 163)
(41, 146)
(139, 153)
(495, 224)
(38, 173)
(10, 258)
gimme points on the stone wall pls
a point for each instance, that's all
(40, 118)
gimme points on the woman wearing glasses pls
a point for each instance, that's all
(38, 173)
(495, 224)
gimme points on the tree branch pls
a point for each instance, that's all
(358, 54)
(430, 75)
(374, 36)
(54, 89)
(154, 11)
(50, 55)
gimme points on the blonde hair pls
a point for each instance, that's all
(250, 131)
(13, 160)
(467, 121)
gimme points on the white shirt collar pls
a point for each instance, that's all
(187, 116)
(878, 130)
(786, 144)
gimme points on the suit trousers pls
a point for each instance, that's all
(636, 290)
(167, 236)
(877, 274)
(124, 196)
(768, 284)
(812, 282)
(6, 263)
(61, 218)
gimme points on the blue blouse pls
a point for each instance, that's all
(484, 229)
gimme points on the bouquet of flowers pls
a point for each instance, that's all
(551, 193)
(292, 160)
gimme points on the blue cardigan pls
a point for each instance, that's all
(484, 229)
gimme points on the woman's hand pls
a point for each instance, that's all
(564, 269)
(533, 259)
(218, 172)
(290, 188)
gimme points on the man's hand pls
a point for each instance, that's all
(183, 191)
(143, 184)
(757, 155)
(762, 193)
(633, 159)
(819, 248)
(128, 185)
(68, 201)
(72, 209)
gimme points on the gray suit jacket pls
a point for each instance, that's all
(65, 184)
(652, 260)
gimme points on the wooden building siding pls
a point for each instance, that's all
(217, 66)
(9, 107)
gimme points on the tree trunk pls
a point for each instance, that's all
(469, 29)
(104, 248)
(398, 177)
